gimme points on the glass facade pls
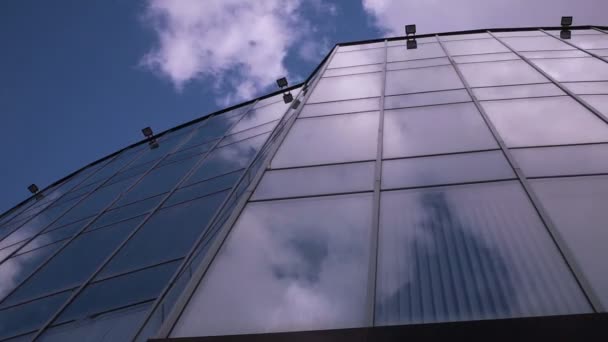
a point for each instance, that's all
(462, 180)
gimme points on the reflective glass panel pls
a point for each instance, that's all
(485, 58)
(583, 88)
(419, 63)
(166, 144)
(599, 102)
(126, 211)
(167, 235)
(346, 87)
(260, 116)
(595, 41)
(519, 33)
(424, 79)
(316, 180)
(476, 46)
(353, 70)
(419, 40)
(500, 73)
(554, 54)
(188, 153)
(401, 53)
(287, 265)
(248, 133)
(577, 206)
(339, 107)
(545, 121)
(464, 36)
(509, 92)
(536, 43)
(575, 32)
(562, 160)
(600, 52)
(204, 188)
(329, 139)
(30, 316)
(574, 69)
(435, 129)
(423, 99)
(75, 263)
(466, 167)
(360, 57)
(54, 235)
(360, 47)
(215, 127)
(468, 252)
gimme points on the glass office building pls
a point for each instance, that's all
(463, 180)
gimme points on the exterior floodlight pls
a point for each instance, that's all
(295, 104)
(411, 44)
(566, 21)
(565, 34)
(147, 132)
(282, 82)
(287, 98)
(33, 188)
(153, 144)
(410, 29)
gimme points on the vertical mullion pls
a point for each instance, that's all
(557, 239)
(375, 231)
(182, 301)
(574, 46)
(75, 294)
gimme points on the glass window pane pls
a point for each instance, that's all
(51, 236)
(577, 207)
(424, 79)
(470, 47)
(204, 188)
(595, 41)
(401, 53)
(262, 115)
(316, 181)
(353, 70)
(126, 211)
(215, 127)
(167, 235)
(600, 52)
(30, 316)
(330, 139)
(119, 291)
(423, 99)
(464, 36)
(435, 129)
(248, 133)
(440, 258)
(158, 181)
(562, 160)
(485, 58)
(545, 121)
(117, 325)
(360, 57)
(287, 265)
(401, 41)
(188, 153)
(582, 88)
(346, 87)
(519, 33)
(166, 144)
(574, 69)
(555, 54)
(575, 32)
(536, 43)
(599, 102)
(228, 159)
(360, 47)
(418, 63)
(519, 91)
(339, 107)
(75, 263)
(466, 167)
(500, 73)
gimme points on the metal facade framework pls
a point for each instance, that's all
(458, 174)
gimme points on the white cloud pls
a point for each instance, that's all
(448, 15)
(236, 44)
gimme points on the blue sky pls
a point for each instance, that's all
(79, 79)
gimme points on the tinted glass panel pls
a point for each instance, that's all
(519, 33)
(419, 80)
(467, 167)
(346, 87)
(563, 160)
(204, 188)
(361, 57)
(423, 99)
(574, 69)
(596, 41)
(401, 53)
(260, 116)
(419, 63)
(329, 139)
(75, 263)
(188, 153)
(464, 36)
(353, 70)
(248, 133)
(468, 253)
(215, 127)
(435, 129)
(532, 90)
(599, 102)
(470, 47)
(554, 54)
(168, 234)
(126, 211)
(500, 73)
(287, 265)
(485, 58)
(54, 235)
(536, 43)
(545, 121)
(339, 107)
(588, 87)
(577, 207)
(316, 180)
(360, 46)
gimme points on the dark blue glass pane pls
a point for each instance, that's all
(204, 188)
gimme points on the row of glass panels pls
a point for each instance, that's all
(459, 238)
